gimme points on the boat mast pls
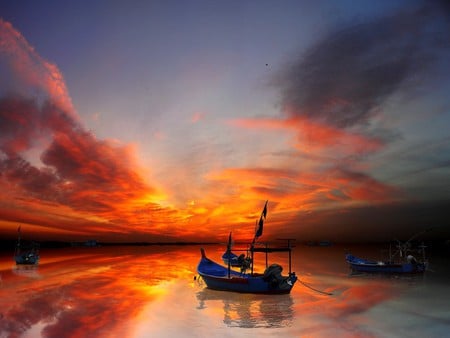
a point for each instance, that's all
(229, 256)
(390, 253)
(17, 250)
(290, 258)
(259, 230)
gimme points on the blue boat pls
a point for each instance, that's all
(219, 277)
(26, 254)
(400, 262)
(365, 265)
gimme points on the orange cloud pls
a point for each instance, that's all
(32, 70)
(316, 174)
(97, 184)
(79, 185)
(289, 192)
(316, 136)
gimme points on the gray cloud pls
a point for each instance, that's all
(344, 78)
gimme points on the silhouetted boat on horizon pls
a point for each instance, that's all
(26, 254)
(401, 262)
(366, 265)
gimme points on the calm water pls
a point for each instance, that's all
(151, 292)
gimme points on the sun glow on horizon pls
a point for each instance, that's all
(188, 147)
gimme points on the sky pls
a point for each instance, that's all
(176, 121)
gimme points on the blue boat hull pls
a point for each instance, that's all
(364, 265)
(218, 277)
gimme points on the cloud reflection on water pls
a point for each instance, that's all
(150, 291)
(99, 293)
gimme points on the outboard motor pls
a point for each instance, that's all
(273, 272)
(273, 276)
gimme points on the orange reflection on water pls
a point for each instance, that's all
(99, 290)
(150, 292)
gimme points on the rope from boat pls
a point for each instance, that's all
(310, 287)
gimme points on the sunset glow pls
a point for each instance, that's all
(137, 136)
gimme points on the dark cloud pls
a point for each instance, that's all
(345, 78)
(18, 124)
(37, 182)
(22, 123)
(25, 121)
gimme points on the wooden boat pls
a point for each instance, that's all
(219, 277)
(26, 254)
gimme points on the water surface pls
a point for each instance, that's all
(151, 292)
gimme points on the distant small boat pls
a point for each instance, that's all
(325, 243)
(365, 265)
(219, 277)
(402, 261)
(26, 254)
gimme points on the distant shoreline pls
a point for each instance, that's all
(9, 245)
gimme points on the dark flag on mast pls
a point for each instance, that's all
(259, 229)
